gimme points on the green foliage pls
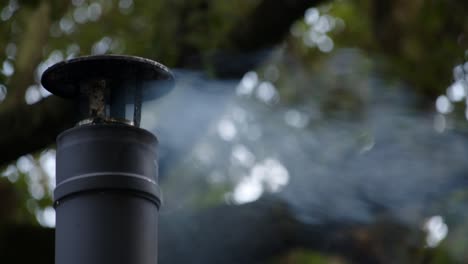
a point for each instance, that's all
(169, 31)
(420, 39)
(29, 190)
(303, 256)
(418, 43)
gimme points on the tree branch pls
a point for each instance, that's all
(253, 38)
(36, 34)
(30, 128)
(268, 24)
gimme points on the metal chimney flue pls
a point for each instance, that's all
(107, 196)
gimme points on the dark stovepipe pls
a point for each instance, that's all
(107, 196)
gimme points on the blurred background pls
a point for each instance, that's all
(299, 131)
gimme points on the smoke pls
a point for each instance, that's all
(350, 154)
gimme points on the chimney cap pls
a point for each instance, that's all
(65, 78)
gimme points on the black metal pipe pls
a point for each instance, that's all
(107, 197)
